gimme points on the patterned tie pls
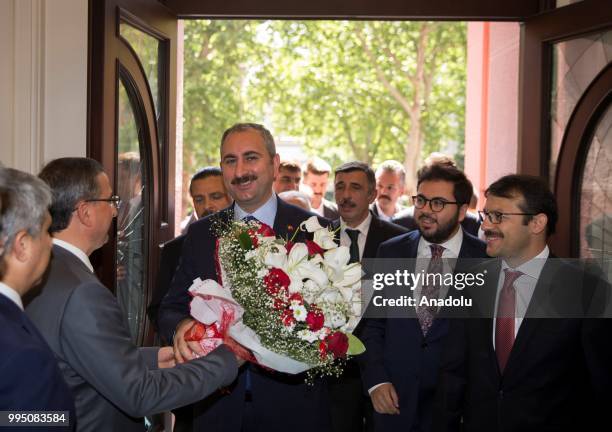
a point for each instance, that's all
(430, 291)
(354, 249)
(504, 321)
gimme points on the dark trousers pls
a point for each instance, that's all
(351, 409)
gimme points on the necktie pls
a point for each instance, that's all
(354, 249)
(504, 321)
(431, 290)
(250, 218)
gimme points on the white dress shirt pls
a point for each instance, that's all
(524, 287)
(363, 229)
(452, 246)
(75, 251)
(12, 295)
(266, 213)
(318, 210)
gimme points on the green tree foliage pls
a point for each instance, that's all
(367, 90)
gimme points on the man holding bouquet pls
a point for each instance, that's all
(259, 399)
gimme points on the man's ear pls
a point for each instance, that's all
(538, 223)
(83, 213)
(373, 195)
(22, 246)
(462, 211)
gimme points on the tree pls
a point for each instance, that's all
(362, 90)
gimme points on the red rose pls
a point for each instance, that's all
(279, 304)
(337, 343)
(275, 280)
(296, 297)
(315, 319)
(314, 248)
(323, 350)
(253, 235)
(287, 317)
(289, 246)
(266, 230)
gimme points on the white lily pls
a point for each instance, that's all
(311, 224)
(325, 238)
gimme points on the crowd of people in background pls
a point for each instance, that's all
(66, 345)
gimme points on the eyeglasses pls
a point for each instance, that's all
(496, 217)
(436, 204)
(115, 201)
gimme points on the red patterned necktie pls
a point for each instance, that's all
(504, 321)
(430, 291)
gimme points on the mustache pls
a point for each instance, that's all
(244, 179)
(347, 203)
(492, 233)
(428, 217)
(385, 197)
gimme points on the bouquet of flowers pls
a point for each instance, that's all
(293, 305)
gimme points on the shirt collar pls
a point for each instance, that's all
(363, 227)
(11, 294)
(266, 213)
(452, 245)
(75, 251)
(381, 213)
(534, 266)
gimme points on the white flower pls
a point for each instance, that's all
(335, 319)
(311, 224)
(299, 311)
(325, 238)
(331, 296)
(277, 257)
(308, 335)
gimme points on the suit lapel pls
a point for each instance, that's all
(369, 250)
(530, 324)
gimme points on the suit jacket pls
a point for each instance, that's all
(114, 382)
(405, 218)
(279, 401)
(379, 232)
(168, 262)
(31, 379)
(397, 352)
(559, 374)
(330, 210)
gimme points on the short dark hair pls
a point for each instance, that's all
(244, 127)
(71, 179)
(536, 194)
(358, 166)
(203, 173)
(462, 186)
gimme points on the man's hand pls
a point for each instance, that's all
(185, 351)
(165, 358)
(385, 400)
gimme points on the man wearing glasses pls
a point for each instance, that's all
(538, 357)
(114, 383)
(401, 362)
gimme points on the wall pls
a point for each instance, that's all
(491, 133)
(43, 81)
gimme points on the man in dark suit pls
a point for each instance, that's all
(209, 196)
(259, 399)
(31, 379)
(400, 365)
(390, 184)
(114, 382)
(362, 233)
(509, 368)
(316, 176)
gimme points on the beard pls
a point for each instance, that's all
(443, 232)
